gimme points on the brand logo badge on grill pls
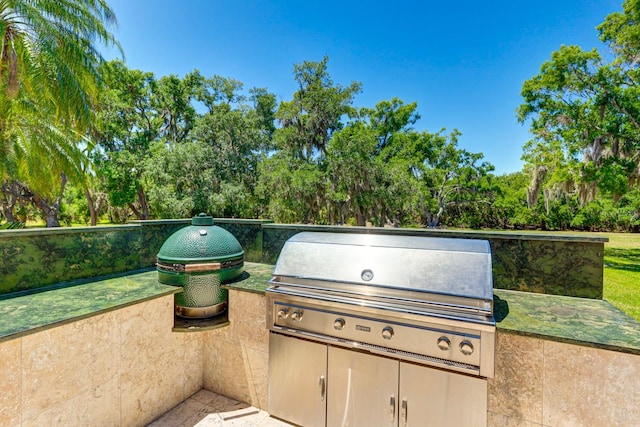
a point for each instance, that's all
(363, 328)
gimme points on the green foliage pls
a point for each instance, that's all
(176, 146)
(315, 112)
(622, 272)
(583, 113)
(49, 81)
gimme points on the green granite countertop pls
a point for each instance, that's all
(255, 278)
(582, 321)
(35, 312)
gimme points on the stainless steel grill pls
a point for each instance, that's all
(365, 299)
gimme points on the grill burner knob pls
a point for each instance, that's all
(338, 324)
(387, 332)
(283, 313)
(296, 316)
(466, 347)
(443, 343)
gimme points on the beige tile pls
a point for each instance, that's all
(499, 420)
(258, 363)
(193, 349)
(247, 318)
(516, 389)
(252, 335)
(205, 396)
(146, 330)
(10, 383)
(214, 347)
(63, 362)
(585, 386)
(96, 407)
(204, 420)
(235, 373)
(151, 389)
(179, 414)
(222, 403)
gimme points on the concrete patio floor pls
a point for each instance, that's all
(208, 409)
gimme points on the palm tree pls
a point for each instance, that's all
(49, 81)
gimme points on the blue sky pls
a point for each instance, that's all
(464, 62)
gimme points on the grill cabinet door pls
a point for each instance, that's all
(362, 390)
(431, 397)
(297, 380)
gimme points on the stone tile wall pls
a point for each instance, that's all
(124, 367)
(547, 383)
(537, 382)
(236, 358)
(34, 259)
(552, 264)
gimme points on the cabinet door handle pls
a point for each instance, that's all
(392, 409)
(322, 385)
(403, 413)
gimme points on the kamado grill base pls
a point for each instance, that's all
(200, 312)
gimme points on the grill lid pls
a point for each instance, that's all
(200, 243)
(422, 265)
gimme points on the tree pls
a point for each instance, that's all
(315, 112)
(49, 79)
(449, 175)
(354, 172)
(585, 117)
(128, 121)
(292, 180)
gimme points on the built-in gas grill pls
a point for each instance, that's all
(380, 330)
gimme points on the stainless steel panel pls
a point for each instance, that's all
(362, 390)
(487, 356)
(297, 380)
(473, 310)
(427, 264)
(431, 397)
(419, 339)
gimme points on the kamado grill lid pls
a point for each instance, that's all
(200, 242)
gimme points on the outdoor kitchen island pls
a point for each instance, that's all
(118, 357)
(559, 361)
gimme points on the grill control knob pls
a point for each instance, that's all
(338, 324)
(443, 343)
(387, 332)
(283, 313)
(466, 347)
(296, 316)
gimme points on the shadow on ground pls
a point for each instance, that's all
(623, 259)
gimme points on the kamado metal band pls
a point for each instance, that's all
(194, 268)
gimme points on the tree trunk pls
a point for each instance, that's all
(144, 204)
(51, 211)
(143, 211)
(8, 202)
(92, 207)
(23, 192)
(52, 218)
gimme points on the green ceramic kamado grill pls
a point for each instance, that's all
(200, 258)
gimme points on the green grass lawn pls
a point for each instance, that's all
(622, 272)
